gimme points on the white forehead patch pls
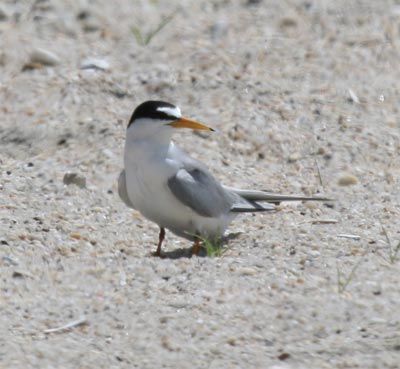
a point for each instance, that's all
(175, 111)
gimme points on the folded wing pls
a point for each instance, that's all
(198, 189)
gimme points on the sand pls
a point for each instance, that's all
(304, 96)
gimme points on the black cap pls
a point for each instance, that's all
(149, 109)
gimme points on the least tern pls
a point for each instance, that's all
(176, 191)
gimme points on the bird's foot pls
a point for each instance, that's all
(158, 254)
(197, 246)
(161, 236)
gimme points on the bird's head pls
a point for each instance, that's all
(159, 118)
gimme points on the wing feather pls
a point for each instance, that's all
(198, 189)
(275, 198)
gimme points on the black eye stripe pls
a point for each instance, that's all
(149, 110)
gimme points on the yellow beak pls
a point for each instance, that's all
(188, 123)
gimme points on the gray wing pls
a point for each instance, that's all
(123, 193)
(199, 190)
(195, 186)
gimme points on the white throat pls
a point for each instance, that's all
(146, 139)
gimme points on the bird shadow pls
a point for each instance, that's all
(202, 252)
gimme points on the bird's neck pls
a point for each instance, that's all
(153, 146)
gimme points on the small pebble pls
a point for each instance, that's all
(284, 356)
(247, 271)
(311, 205)
(74, 178)
(377, 290)
(93, 63)
(294, 157)
(353, 97)
(288, 22)
(43, 57)
(76, 236)
(347, 180)
(3, 14)
(17, 274)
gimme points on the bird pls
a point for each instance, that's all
(175, 191)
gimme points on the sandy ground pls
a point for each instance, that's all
(305, 98)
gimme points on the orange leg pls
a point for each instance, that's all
(160, 241)
(196, 246)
